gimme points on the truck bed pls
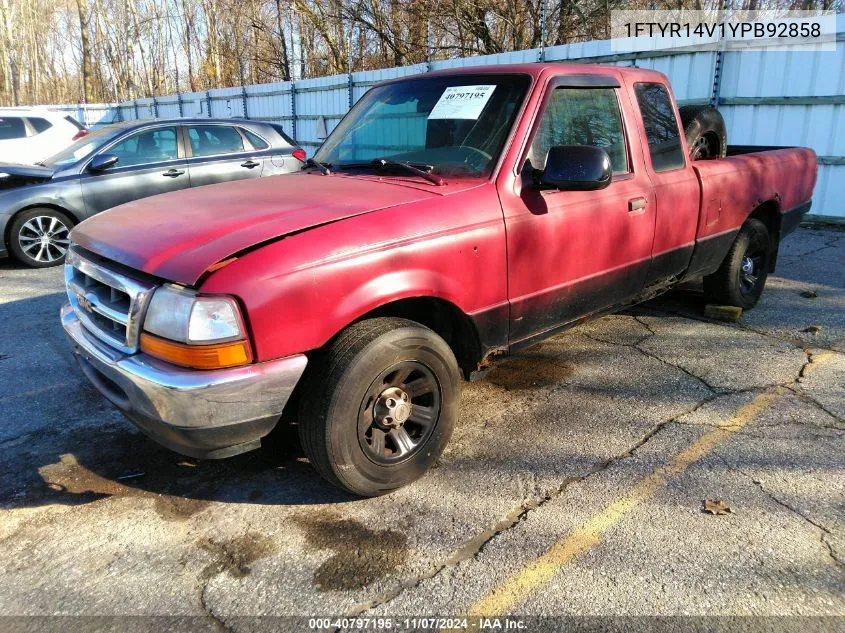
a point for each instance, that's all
(748, 176)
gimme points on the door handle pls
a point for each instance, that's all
(636, 204)
(173, 173)
(250, 164)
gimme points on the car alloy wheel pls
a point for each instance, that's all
(44, 239)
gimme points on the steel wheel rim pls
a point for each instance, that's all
(44, 238)
(749, 272)
(386, 435)
(701, 149)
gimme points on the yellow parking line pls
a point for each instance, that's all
(513, 591)
(816, 360)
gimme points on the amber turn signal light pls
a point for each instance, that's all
(217, 356)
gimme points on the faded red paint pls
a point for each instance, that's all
(353, 243)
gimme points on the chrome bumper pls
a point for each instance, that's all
(206, 414)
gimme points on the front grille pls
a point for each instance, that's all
(109, 304)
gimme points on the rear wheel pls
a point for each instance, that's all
(741, 277)
(379, 406)
(40, 237)
(705, 132)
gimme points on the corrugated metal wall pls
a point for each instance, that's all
(767, 98)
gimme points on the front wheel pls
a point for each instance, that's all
(740, 279)
(379, 405)
(40, 237)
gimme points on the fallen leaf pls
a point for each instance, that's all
(809, 294)
(717, 507)
(813, 329)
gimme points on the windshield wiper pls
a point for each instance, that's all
(387, 162)
(324, 169)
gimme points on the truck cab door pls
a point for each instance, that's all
(573, 253)
(676, 186)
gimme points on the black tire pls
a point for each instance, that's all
(344, 413)
(734, 283)
(705, 132)
(26, 233)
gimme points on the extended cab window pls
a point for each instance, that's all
(152, 146)
(661, 127)
(208, 140)
(581, 116)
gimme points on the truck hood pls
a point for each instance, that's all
(178, 236)
(14, 175)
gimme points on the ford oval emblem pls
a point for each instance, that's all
(85, 303)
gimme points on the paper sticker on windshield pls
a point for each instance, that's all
(462, 102)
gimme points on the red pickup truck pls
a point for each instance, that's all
(449, 218)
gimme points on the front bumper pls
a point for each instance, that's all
(205, 414)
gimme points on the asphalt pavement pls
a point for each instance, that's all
(574, 486)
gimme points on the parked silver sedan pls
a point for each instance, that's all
(121, 162)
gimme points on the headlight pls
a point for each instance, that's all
(205, 332)
(180, 315)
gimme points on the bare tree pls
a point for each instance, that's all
(113, 50)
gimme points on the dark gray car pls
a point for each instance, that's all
(121, 162)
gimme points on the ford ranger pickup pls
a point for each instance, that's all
(450, 218)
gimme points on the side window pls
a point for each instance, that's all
(581, 116)
(208, 140)
(256, 141)
(39, 124)
(661, 127)
(12, 127)
(151, 146)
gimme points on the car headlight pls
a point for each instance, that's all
(204, 332)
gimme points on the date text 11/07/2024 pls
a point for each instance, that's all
(419, 624)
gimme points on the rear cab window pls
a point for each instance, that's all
(661, 126)
(582, 116)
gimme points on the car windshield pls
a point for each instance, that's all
(80, 149)
(451, 125)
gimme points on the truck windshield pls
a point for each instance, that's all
(456, 125)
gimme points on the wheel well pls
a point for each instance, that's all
(769, 214)
(54, 207)
(445, 318)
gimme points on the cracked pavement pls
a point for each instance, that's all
(97, 520)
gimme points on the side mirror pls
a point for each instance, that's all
(575, 168)
(102, 162)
